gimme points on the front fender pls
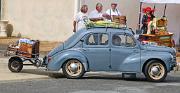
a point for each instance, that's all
(57, 61)
(163, 56)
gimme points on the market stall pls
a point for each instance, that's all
(157, 28)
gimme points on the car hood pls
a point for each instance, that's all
(160, 49)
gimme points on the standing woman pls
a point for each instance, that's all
(79, 20)
(147, 17)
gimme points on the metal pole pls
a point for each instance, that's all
(0, 9)
(154, 8)
(140, 9)
(164, 15)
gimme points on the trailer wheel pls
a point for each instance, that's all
(15, 65)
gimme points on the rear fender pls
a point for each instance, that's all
(59, 59)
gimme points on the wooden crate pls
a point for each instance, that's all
(29, 50)
(25, 50)
(119, 19)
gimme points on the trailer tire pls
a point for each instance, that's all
(15, 65)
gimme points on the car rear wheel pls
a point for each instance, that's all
(73, 69)
(155, 71)
(15, 65)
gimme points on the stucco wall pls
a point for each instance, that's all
(49, 20)
(52, 19)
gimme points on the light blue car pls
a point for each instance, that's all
(110, 49)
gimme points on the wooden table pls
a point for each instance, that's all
(162, 40)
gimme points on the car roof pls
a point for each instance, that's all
(104, 29)
(79, 34)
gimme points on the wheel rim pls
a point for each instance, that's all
(15, 65)
(156, 71)
(73, 68)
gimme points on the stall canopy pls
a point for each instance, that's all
(161, 1)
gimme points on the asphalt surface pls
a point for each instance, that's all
(92, 83)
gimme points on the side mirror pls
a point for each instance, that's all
(132, 31)
(81, 42)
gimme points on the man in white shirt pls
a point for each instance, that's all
(96, 14)
(113, 11)
(80, 18)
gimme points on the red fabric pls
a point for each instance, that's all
(148, 9)
(149, 19)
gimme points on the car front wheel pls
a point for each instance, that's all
(155, 71)
(73, 69)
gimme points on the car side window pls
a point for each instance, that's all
(103, 39)
(123, 40)
(130, 41)
(97, 39)
(118, 40)
(92, 39)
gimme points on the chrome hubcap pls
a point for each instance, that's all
(73, 67)
(155, 70)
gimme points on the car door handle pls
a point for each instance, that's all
(83, 49)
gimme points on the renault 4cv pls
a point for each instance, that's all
(110, 49)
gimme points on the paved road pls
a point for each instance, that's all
(91, 84)
(33, 80)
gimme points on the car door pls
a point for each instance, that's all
(96, 48)
(125, 53)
